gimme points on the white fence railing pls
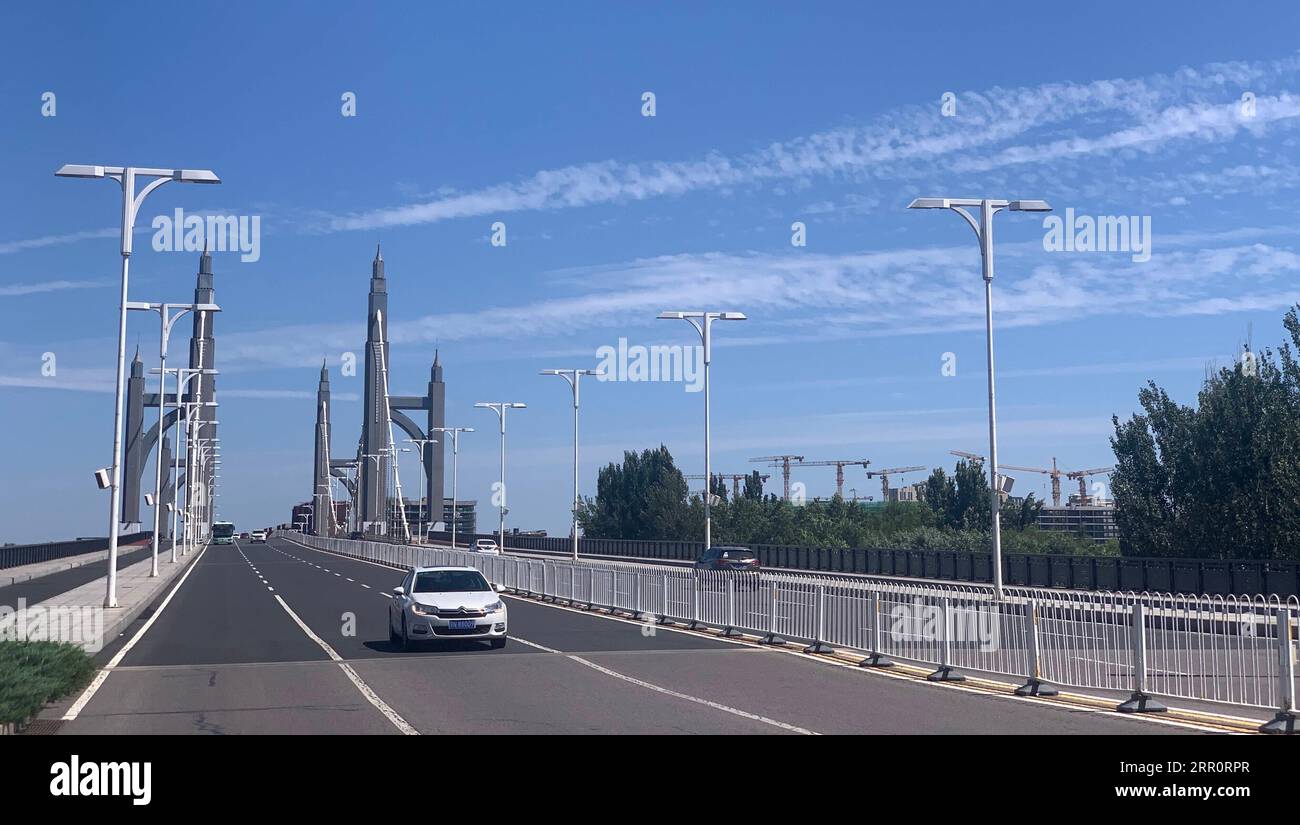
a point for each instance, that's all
(1236, 651)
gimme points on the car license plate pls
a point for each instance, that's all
(461, 624)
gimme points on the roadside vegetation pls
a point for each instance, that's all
(33, 673)
(647, 497)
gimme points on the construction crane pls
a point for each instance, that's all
(1054, 473)
(736, 478)
(839, 469)
(885, 474)
(782, 461)
(1080, 475)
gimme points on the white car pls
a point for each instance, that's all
(258, 537)
(487, 546)
(440, 603)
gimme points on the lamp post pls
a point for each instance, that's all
(167, 320)
(183, 377)
(423, 443)
(703, 324)
(983, 227)
(500, 407)
(455, 454)
(574, 379)
(131, 201)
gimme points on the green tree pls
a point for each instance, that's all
(1220, 479)
(644, 498)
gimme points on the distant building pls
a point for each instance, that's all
(1093, 520)
(416, 518)
(911, 492)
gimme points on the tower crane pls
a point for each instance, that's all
(839, 469)
(1074, 475)
(885, 474)
(1080, 475)
(782, 461)
(1054, 473)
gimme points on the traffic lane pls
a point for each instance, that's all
(460, 688)
(538, 693)
(263, 698)
(345, 602)
(223, 614)
(564, 630)
(48, 586)
(831, 698)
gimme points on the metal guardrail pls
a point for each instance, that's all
(1230, 650)
(20, 554)
(1176, 575)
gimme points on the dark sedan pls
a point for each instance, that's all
(725, 557)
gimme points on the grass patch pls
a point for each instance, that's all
(33, 673)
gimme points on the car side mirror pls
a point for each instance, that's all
(500, 588)
(401, 591)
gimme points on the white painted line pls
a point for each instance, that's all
(93, 687)
(385, 595)
(673, 693)
(354, 581)
(363, 584)
(366, 691)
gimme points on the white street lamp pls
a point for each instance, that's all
(455, 455)
(131, 201)
(500, 407)
(423, 443)
(984, 234)
(703, 324)
(167, 320)
(574, 378)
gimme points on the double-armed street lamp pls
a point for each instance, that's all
(455, 456)
(983, 227)
(168, 314)
(574, 379)
(126, 177)
(703, 324)
(500, 407)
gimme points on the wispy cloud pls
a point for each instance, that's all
(10, 247)
(996, 129)
(14, 290)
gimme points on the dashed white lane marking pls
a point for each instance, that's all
(669, 692)
(366, 691)
(93, 687)
(366, 586)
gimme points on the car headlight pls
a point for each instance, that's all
(494, 607)
(424, 609)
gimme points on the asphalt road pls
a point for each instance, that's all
(241, 648)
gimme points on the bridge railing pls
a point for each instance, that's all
(1232, 650)
(1177, 575)
(20, 554)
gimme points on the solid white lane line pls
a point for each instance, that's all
(673, 693)
(366, 691)
(93, 687)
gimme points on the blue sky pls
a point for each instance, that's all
(829, 114)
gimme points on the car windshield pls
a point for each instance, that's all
(450, 581)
